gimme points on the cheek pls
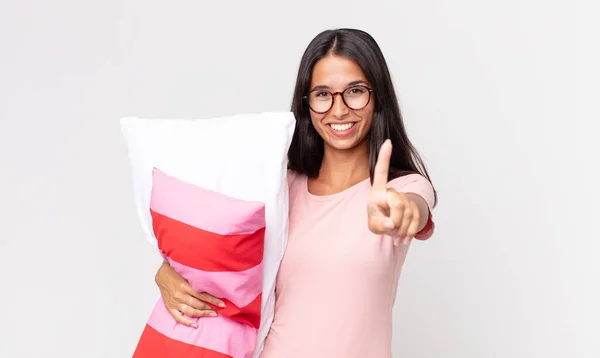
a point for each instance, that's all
(368, 113)
(316, 120)
(368, 119)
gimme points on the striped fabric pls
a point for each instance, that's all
(216, 242)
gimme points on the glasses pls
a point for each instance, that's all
(355, 98)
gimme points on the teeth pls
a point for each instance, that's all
(341, 127)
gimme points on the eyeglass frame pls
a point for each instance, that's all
(341, 93)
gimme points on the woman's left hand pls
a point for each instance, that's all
(390, 212)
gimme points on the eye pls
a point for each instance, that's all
(322, 94)
(356, 90)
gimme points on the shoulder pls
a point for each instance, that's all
(294, 180)
(293, 177)
(416, 184)
(295, 186)
(408, 179)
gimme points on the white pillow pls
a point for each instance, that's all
(241, 156)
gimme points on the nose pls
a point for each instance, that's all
(339, 109)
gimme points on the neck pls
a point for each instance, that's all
(344, 168)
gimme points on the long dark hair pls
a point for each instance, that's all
(307, 148)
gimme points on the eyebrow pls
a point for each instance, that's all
(353, 83)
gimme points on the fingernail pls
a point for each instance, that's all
(213, 314)
(406, 240)
(388, 224)
(221, 304)
(194, 325)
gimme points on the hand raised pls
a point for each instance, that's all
(390, 212)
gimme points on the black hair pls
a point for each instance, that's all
(307, 148)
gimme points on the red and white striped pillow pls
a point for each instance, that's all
(216, 242)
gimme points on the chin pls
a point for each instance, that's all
(344, 144)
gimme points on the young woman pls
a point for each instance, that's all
(359, 193)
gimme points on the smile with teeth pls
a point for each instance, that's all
(341, 127)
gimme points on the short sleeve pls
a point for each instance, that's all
(291, 177)
(295, 186)
(418, 184)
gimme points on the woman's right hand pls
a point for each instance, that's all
(182, 302)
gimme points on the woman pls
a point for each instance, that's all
(337, 281)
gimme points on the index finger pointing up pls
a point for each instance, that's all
(382, 167)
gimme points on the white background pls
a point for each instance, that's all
(501, 98)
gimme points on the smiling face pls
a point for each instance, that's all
(341, 128)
